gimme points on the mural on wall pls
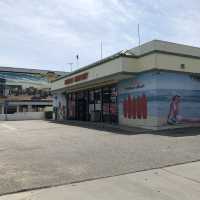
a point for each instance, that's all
(136, 100)
(178, 98)
(174, 115)
(23, 85)
(159, 99)
(59, 107)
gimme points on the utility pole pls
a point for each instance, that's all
(101, 49)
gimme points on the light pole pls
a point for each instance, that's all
(101, 49)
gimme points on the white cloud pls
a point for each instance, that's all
(49, 33)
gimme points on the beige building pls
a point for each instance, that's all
(154, 85)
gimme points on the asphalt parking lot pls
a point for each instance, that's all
(37, 154)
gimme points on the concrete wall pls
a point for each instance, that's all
(23, 116)
(173, 63)
(138, 64)
(161, 61)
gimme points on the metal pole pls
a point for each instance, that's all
(77, 58)
(101, 49)
(139, 34)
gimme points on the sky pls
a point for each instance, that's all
(48, 34)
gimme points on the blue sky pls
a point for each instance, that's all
(47, 34)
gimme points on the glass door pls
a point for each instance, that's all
(109, 100)
(71, 106)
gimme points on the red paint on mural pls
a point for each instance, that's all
(135, 108)
(129, 107)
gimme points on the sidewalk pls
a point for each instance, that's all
(181, 182)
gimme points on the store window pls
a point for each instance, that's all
(91, 102)
(10, 109)
(113, 105)
(97, 99)
(82, 106)
(71, 106)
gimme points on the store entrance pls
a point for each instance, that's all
(81, 110)
(96, 105)
(109, 105)
(82, 106)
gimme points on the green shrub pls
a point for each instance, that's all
(48, 115)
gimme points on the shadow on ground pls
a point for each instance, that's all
(123, 130)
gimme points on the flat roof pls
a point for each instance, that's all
(167, 47)
(154, 46)
(30, 70)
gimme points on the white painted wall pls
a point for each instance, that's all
(23, 116)
(100, 71)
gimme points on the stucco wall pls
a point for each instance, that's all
(138, 64)
(172, 62)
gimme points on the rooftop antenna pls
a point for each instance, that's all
(101, 49)
(77, 60)
(139, 42)
(71, 64)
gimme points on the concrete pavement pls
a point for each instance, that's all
(38, 154)
(181, 182)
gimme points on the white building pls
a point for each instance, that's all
(153, 86)
(25, 93)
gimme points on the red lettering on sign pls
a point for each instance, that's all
(77, 78)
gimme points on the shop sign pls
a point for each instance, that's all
(77, 78)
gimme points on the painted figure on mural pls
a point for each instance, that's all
(174, 115)
(174, 110)
(61, 111)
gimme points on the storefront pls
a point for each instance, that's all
(97, 104)
(141, 87)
